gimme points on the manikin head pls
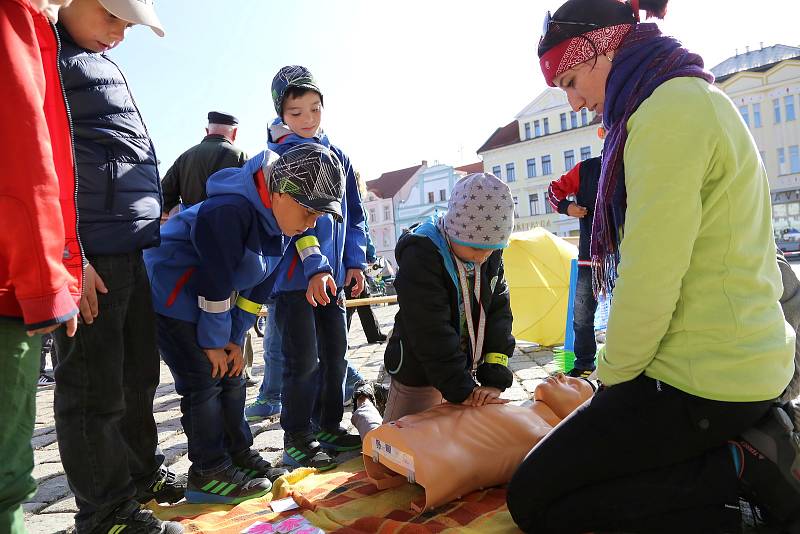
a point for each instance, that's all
(563, 394)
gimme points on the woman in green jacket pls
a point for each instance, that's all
(697, 347)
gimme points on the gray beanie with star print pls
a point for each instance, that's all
(480, 213)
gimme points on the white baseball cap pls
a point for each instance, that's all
(135, 11)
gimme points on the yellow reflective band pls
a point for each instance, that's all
(496, 357)
(305, 242)
(248, 305)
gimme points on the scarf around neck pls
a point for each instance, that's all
(645, 60)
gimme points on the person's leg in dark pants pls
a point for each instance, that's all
(585, 307)
(332, 348)
(294, 317)
(105, 383)
(369, 323)
(657, 452)
(212, 407)
(141, 377)
(19, 362)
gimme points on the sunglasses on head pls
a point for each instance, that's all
(551, 23)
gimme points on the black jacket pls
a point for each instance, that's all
(586, 196)
(119, 191)
(424, 349)
(185, 181)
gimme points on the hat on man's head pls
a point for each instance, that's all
(312, 175)
(480, 212)
(135, 11)
(288, 77)
(217, 117)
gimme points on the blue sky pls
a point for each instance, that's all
(403, 81)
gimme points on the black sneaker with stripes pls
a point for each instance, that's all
(338, 440)
(256, 466)
(301, 449)
(227, 486)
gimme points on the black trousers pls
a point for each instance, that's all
(106, 380)
(641, 456)
(372, 329)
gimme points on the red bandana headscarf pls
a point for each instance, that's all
(584, 47)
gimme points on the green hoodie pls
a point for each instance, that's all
(696, 302)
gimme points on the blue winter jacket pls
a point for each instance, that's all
(228, 243)
(331, 246)
(119, 189)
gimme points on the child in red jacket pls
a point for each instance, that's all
(40, 258)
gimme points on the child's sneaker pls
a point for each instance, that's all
(131, 518)
(262, 409)
(256, 466)
(46, 380)
(338, 440)
(580, 373)
(301, 449)
(227, 486)
(769, 467)
(167, 487)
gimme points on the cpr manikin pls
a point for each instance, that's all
(451, 449)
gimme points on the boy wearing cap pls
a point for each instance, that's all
(185, 181)
(452, 335)
(210, 277)
(110, 370)
(309, 289)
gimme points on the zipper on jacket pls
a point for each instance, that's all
(149, 139)
(111, 179)
(84, 261)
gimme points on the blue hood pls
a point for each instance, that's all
(235, 181)
(430, 229)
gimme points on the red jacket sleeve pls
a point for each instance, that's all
(32, 240)
(560, 189)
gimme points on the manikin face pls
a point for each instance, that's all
(303, 114)
(585, 83)
(563, 393)
(92, 26)
(293, 218)
(475, 255)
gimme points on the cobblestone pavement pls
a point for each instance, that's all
(52, 508)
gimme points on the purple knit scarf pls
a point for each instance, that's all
(644, 61)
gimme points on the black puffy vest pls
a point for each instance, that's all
(119, 189)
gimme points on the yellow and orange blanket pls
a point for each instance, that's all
(344, 501)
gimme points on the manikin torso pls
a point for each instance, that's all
(451, 449)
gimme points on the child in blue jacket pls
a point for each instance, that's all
(209, 279)
(309, 289)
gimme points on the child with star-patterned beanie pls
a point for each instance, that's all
(452, 335)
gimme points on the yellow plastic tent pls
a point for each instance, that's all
(537, 266)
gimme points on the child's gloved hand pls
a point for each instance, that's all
(484, 395)
(318, 287)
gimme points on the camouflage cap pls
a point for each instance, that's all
(312, 175)
(288, 77)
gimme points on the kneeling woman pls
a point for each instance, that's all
(697, 346)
